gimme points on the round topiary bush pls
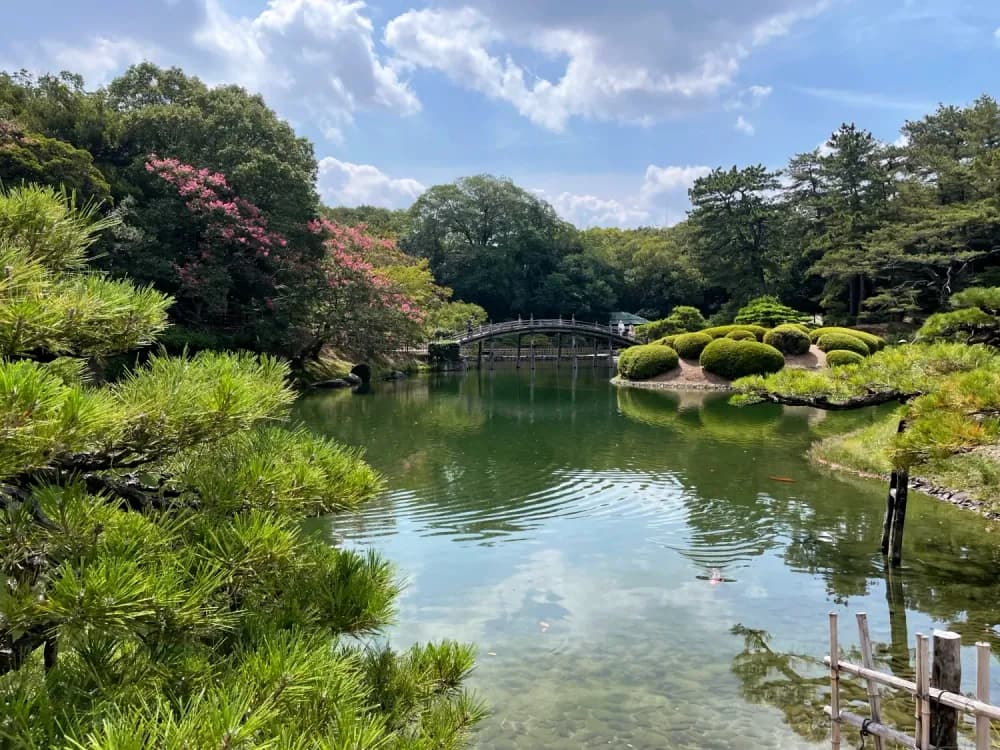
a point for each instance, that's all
(839, 357)
(788, 339)
(646, 361)
(736, 359)
(767, 311)
(828, 342)
(741, 334)
(666, 341)
(718, 332)
(874, 343)
(690, 345)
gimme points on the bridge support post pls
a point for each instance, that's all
(479, 356)
(611, 353)
(531, 347)
(517, 357)
(558, 348)
(593, 362)
(573, 344)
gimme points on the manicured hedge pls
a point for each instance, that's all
(690, 345)
(789, 339)
(874, 343)
(828, 342)
(718, 332)
(741, 335)
(736, 359)
(666, 341)
(839, 357)
(444, 351)
(646, 361)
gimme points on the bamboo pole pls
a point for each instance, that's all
(834, 684)
(923, 704)
(876, 729)
(982, 694)
(866, 659)
(968, 705)
(946, 674)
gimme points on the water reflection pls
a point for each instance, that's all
(563, 526)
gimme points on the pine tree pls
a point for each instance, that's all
(158, 590)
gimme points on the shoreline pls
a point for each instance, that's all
(942, 494)
(670, 385)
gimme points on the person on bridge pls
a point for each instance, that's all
(631, 331)
(468, 326)
(621, 327)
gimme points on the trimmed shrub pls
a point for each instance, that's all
(839, 357)
(736, 359)
(681, 319)
(646, 361)
(873, 342)
(718, 332)
(686, 318)
(828, 342)
(767, 311)
(788, 339)
(741, 334)
(666, 341)
(690, 345)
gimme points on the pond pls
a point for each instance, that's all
(571, 530)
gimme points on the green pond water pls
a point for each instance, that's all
(569, 529)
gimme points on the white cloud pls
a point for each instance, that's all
(996, 34)
(661, 200)
(342, 183)
(744, 126)
(591, 211)
(99, 59)
(760, 92)
(313, 60)
(641, 66)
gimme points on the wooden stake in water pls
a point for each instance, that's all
(946, 674)
(834, 684)
(982, 694)
(923, 708)
(869, 663)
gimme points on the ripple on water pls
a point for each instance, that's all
(673, 515)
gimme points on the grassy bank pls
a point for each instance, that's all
(976, 474)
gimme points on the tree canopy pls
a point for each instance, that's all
(159, 590)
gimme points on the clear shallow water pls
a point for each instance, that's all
(568, 529)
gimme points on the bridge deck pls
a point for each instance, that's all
(543, 325)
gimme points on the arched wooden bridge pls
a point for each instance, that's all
(547, 326)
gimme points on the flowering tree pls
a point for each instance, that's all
(356, 309)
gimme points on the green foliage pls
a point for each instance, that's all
(741, 335)
(646, 361)
(452, 318)
(738, 233)
(767, 311)
(444, 351)
(873, 342)
(718, 332)
(829, 342)
(788, 339)
(735, 359)
(159, 587)
(34, 158)
(976, 319)
(682, 319)
(839, 357)
(690, 345)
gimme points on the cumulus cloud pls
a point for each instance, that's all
(342, 183)
(661, 200)
(645, 65)
(313, 60)
(744, 126)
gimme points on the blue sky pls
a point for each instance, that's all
(609, 110)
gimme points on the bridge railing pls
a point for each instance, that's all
(520, 325)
